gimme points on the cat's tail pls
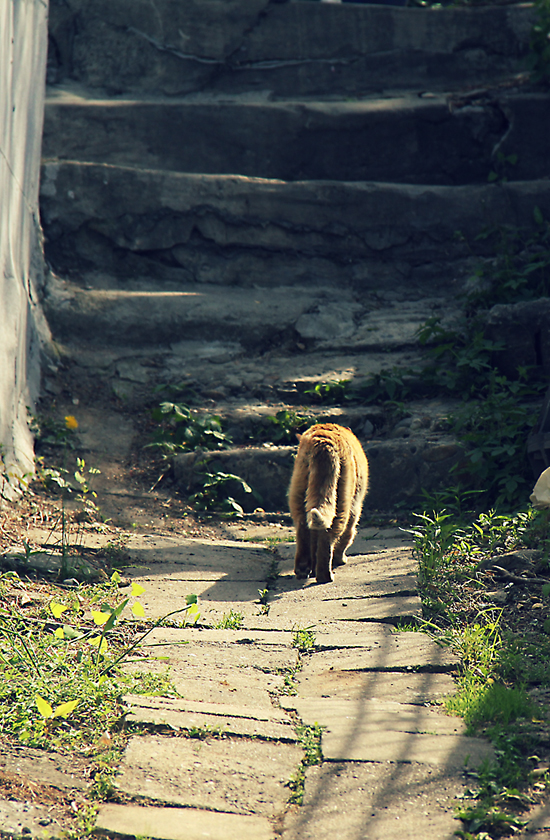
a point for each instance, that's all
(320, 520)
(322, 488)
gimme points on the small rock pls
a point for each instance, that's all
(368, 428)
(514, 561)
(498, 597)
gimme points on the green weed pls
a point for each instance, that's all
(62, 678)
(283, 426)
(181, 430)
(49, 431)
(216, 490)
(304, 640)
(496, 666)
(432, 541)
(331, 392)
(501, 168)
(230, 621)
(310, 740)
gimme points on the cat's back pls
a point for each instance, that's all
(335, 438)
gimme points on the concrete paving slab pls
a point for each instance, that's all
(376, 802)
(351, 582)
(451, 752)
(174, 635)
(233, 775)
(352, 718)
(539, 822)
(215, 598)
(59, 771)
(208, 681)
(178, 824)
(186, 572)
(374, 566)
(383, 652)
(197, 655)
(164, 713)
(301, 610)
(198, 559)
(217, 724)
(274, 714)
(421, 688)
(240, 686)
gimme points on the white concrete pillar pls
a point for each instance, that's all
(23, 50)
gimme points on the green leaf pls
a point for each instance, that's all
(43, 706)
(57, 609)
(537, 215)
(191, 599)
(65, 709)
(100, 617)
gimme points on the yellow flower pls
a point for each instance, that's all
(71, 422)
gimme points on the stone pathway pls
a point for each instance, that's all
(393, 763)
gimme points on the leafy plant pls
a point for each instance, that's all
(304, 640)
(49, 431)
(283, 426)
(215, 493)
(331, 392)
(519, 269)
(181, 430)
(62, 680)
(433, 539)
(494, 430)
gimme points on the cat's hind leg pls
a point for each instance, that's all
(345, 539)
(303, 559)
(323, 558)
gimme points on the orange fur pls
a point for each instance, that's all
(326, 494)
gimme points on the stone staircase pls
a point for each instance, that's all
(253, 197)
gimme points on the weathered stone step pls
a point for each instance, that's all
(295, 48)
(399, 470)
(402, 139)
(141, 312)
(254, 232)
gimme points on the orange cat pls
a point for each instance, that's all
(326, 494)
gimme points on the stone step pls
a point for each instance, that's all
(252, 231)
(410, 139)
(400, 469)
(294, 48)
(141, 312)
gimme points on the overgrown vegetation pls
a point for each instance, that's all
(503, 651)
(61, 662)
(495, 412)
(179, 429)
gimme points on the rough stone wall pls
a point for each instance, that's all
(23, 47)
